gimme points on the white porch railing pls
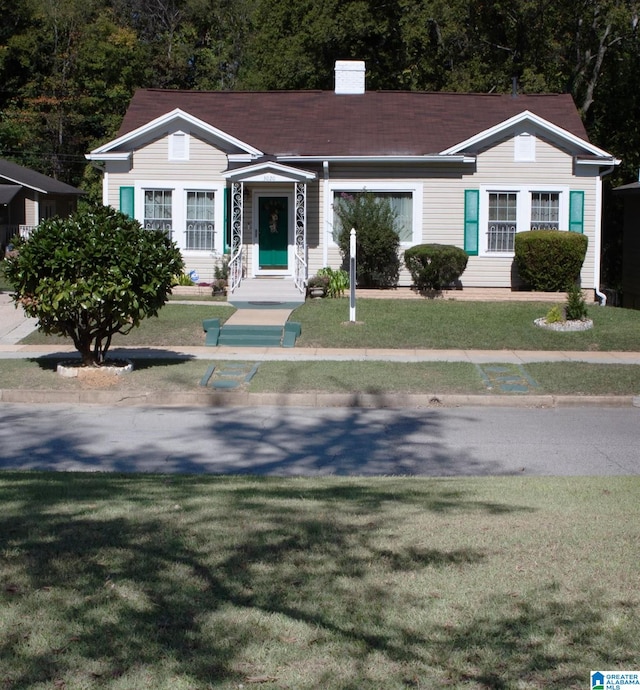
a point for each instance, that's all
(235, 270)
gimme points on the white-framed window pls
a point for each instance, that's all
(200, 230)
(405, 201)
(191, 213)
(179, 146)
(158, 210)
(545, 211)
(502, 222)
(504, 211)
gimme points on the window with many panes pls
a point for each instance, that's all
(200, 220)
(515, 210)
(158, 210)
(545, 211)
(503, 221)
(401, 204)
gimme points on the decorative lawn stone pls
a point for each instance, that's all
(565, 326)
(76, 369)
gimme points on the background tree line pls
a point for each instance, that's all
(69, 67)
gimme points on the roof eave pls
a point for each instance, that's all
(119, 156)
(600, 162)
(434, 158)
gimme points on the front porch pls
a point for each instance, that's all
(268, 224)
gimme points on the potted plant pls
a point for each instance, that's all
(318, 285)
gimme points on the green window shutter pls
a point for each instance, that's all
(471, 217)
(576, 211)
(126, 201)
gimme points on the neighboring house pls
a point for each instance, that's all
(630, 245)
(28, 197)
(257, 173)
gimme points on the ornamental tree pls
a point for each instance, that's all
(93, 274)
(377, 241)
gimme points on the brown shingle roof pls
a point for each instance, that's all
(321, 123)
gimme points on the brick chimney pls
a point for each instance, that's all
(349, 77)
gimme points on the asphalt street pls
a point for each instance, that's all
(470, 441)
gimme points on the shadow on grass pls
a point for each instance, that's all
(186, 579)
(158, 580)
(141, 358)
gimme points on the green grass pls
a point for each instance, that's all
(555, 378)
(191, 583)
(175, 325)
(446, 324)
(397, 324)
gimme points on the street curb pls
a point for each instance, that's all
(312, 399)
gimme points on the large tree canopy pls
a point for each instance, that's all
(69, 67)
(92, 275)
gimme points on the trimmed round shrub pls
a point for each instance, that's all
(550, 260)
(435, 266)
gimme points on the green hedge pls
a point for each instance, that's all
(550, 260)
(435, 266)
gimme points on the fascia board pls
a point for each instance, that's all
(526, 116)
(120, 156)
(438, 158)
(600, 162)
(160, 122)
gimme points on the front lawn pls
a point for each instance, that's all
(175, 325)
(447, 324)
(393, 324)
(114, 582)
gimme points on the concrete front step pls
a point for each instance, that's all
(266, 290)
(257, 336)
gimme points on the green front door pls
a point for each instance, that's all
(273, 232)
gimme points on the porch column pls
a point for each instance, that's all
(300, 244)
(235, 258)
